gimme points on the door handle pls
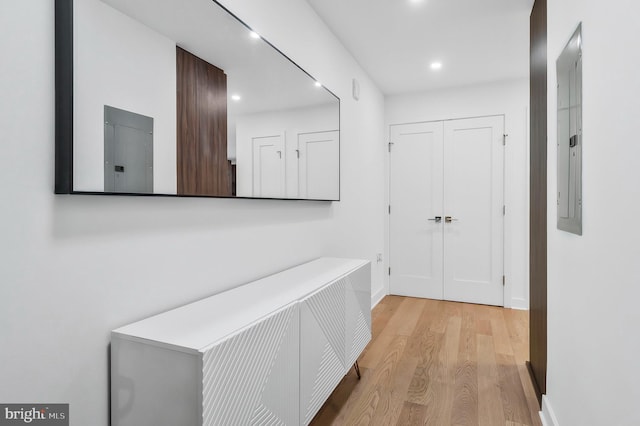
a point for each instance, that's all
(450, 219)
(437, 219)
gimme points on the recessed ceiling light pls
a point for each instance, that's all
(318, 84)
(436, 65)
(415, 1)
(236, 97)
(254, 34)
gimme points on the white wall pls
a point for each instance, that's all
(289, 122)
(74, 267)
(593, 279)
(126, 65)
(359, 216)
(510, 98)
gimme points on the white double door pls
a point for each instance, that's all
(447, 210)
(310, 169)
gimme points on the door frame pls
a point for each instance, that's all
(507, 286)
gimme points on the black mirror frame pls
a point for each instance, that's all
(64, 96)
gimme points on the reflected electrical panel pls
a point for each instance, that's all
(128, 152)
(569, 192)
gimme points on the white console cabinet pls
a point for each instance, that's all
(266, 353)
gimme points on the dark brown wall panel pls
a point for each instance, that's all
(203, 168)
(538, 198)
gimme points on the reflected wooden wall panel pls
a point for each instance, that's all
(203, 168)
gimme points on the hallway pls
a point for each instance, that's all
(438, 363)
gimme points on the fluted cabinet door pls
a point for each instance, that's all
(358, 314)
(321, 347)
(251, 378)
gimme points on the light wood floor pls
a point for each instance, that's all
(438, 363)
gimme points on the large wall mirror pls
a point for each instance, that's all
(569, 74)
(180, 97)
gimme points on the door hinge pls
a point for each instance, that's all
(504, 280)
(389, 208)
(389, 270)
(390, 143)
(504, 210)
(504, 139)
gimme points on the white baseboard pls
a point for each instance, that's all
(547, 416)
(520, 304)
(377, 297)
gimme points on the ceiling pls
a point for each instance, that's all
(263, 78)
(396, 41)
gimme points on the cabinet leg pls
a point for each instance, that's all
(357, 368)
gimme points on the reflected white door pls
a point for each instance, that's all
(416, 200)
(319, 165)
(474, 199)
(269, 166)
(453, 170)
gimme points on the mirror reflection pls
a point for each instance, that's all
(180, 97)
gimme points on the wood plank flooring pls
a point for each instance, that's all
(438, 363)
